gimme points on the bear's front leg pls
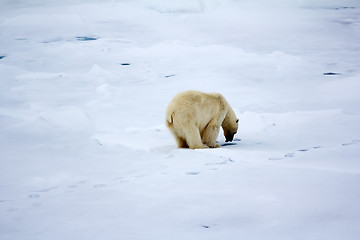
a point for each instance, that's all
(193, 139)
(215, 146)
(209, 135)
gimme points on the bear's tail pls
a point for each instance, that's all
(170, 119)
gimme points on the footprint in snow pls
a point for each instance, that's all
(223, 162)
(303, 150)
(85, 39)
(292, 154)
(289, 155)
(36, 194)
(46, 189)
(331, 74)
(275, 158)
(169, 76)
(208, 226)
(33, 195)
(355, 141)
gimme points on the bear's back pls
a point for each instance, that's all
(194, 103)
(196, 96)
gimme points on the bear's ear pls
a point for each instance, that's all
(237, 120)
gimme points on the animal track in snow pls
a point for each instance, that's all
(36, 194)
(33, 195)
(86, 38)
(99, 185)
(275, 158)
(223, 162)
(355, 141)
(303, 150)
(46, 189)
(292, 154)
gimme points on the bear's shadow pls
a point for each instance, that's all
(227, 144)
(230, 143)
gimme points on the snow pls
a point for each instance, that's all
(84, 151)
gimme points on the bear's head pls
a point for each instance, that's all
(230, 125)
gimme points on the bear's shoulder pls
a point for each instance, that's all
(217, 95)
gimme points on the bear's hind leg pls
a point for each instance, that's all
(210, 134)
(193, 138)
(181, 143)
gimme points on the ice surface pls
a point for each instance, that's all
(85, 154)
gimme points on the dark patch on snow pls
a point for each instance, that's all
(316, 147)
(331, 74)
(342, 8)
(98, 142)
(228, 144)
(303, 150)
(345, 22)
(125, 64)
(205, 226)
(53, 40)
(1, 57)
(192, 173)
(46, 189)
(231, 143)
(171, 75)
(34, 196)
(288, 155)
(177, 10)
(356, 141)
(83, 39)
(229, 160)
(225, 161)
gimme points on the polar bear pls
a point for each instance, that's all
(194, 118)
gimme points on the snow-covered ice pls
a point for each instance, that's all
(85, 154)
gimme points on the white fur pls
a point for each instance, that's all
(194, 118)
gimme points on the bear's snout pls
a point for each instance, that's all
(229, 137)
